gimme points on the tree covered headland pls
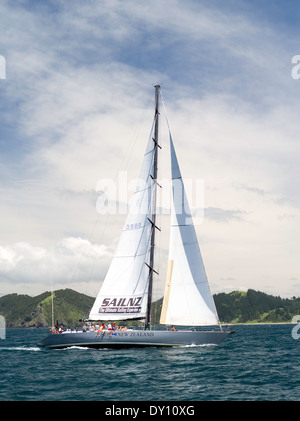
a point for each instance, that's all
(255, 306)
(71, 306)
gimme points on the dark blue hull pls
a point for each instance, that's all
(133, 338)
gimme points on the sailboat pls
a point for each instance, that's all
(126, 292)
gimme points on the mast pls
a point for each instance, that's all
(153, 216)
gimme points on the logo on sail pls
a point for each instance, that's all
(121, 305)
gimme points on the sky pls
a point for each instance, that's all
(77, 96)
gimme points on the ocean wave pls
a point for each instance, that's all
(75, 347)
(198, 346)
(20, 348)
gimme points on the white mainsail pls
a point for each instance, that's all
(124, 292)
(187, 299)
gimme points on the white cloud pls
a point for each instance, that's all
(69, 262)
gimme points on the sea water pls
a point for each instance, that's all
(257, 363)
